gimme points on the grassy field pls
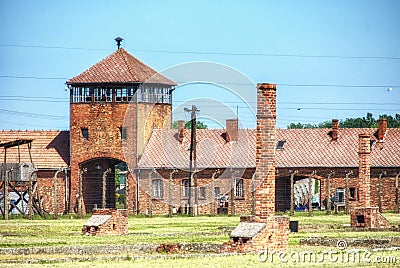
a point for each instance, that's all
(22, 233)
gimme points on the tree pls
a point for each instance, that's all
(188, 124)
(359, 122)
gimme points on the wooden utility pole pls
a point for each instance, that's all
(192, 160)
(347, 209)
(292, 192)
(103, 199)
(55, 212)
(328, 193)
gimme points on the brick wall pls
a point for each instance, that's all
(46, 190)
(104, 122)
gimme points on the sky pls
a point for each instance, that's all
(329, 59)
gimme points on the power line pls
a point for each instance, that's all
(32, 125)
(256, 54)
(223, 83)
(26, 114)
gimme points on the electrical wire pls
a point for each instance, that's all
(213, 53)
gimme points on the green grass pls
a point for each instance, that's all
(18, 232)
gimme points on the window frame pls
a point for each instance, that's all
(185, 188)
(158, 188)
(239, 188)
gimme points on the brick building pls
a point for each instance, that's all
(325, 155)
(120, 130)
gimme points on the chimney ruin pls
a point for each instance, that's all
(382, 127)
(264, 230)
(181, 130)
(335, 129)
(232, 130)
(365, 216)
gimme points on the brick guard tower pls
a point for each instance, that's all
(365, 216)
(263, 230)
(100, 98)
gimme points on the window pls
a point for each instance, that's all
(123, 132)
(85, 133)
(202, 193)
(157, 188)
(280, 144)
(185, 188)
(217, 191)
(238, 188)
(352, 193)
(340, 197)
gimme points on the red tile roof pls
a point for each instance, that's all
(50, 148)
(120, 67)
(303, 148)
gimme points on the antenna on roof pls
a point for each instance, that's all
(118, 40)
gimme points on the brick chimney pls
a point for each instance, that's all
(181, 130)
(365, 216)
(335, 129)
(232, 130)
(364, 166)
(265, 152)
(382, 126)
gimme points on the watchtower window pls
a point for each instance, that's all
(156, 94)
(85, 133)
(100, 94)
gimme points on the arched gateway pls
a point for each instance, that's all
(99, 99)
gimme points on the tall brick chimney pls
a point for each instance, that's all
(365, 216)
(382, 127)
(364, 166)
(264, 230)
(181, 130)
(232, 130)
(335, 129)
(265, 152)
